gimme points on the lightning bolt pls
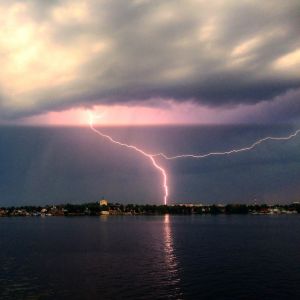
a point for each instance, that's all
(145, 154)
(152, 157)
(232, 151)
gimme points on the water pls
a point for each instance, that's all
(159, 257)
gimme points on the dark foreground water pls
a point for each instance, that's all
(161, 257)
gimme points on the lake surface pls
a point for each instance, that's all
(159, 257)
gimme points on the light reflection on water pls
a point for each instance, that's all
(171, 259)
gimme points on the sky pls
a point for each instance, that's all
(53, 165)
(149, 62)
(231, 65)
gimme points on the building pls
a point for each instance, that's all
(190, 204)
(103, 202)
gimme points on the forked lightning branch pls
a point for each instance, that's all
(155, 164)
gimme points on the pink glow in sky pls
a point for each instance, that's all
(172, 113)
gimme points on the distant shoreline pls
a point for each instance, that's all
(103, 208)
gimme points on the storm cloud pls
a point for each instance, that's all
(62, 54)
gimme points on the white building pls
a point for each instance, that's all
(103, 202)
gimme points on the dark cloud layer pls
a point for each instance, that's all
(72, 53)
(283, 108)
